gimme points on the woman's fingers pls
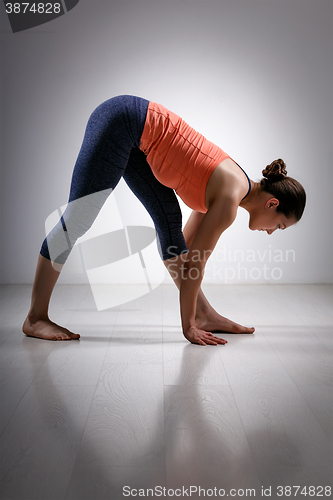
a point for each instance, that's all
(201, 337)
(208, 338)
(215, 340)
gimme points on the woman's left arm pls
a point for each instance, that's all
(218, 218)
(191, 227)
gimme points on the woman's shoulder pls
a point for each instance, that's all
(227, 181)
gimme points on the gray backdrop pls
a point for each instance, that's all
(254, 76)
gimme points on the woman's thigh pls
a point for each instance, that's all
(160, 202)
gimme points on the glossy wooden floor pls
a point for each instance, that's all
(133, 404)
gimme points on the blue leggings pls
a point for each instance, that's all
(110, 150)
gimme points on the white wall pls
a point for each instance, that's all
(254, 76)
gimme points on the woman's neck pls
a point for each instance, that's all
(252, 198)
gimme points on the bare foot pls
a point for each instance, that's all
(215, 323)
(47, 330)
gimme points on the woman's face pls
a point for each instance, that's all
(266, 218)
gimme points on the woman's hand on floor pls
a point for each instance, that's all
(197, 336)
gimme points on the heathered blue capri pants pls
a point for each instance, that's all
(110, 150)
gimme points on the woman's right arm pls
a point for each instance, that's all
(219, 217)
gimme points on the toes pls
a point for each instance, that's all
(241, 329)
(70, 335)
(74, 336)
(60, 336)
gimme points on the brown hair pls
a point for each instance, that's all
(288, 191)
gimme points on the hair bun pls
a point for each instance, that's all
(276, 171)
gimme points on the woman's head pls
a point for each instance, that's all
(277, 201)
(289, 192)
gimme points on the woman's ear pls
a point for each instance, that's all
(271, 203)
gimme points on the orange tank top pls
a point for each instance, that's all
(179, 157)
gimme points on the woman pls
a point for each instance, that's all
(157, 153)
